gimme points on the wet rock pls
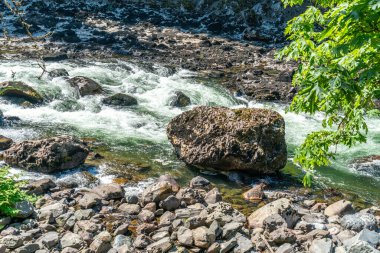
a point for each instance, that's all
(256, 193)
(47, 155)
(40, 186)
(359, 221)
(55, 57)
(203, 237)
(131, 199)
(120, 100)
(109, 191)
(13, 89)
(25, 209)
(340, 208)
(282, 206)
(58, 73)
(85, 86)
(5, 142)
(185, 236)
(199, 182)
(180, 100)
(222, 138)
(71, 240)
(170, 203)
(324, 245)
(68, 105)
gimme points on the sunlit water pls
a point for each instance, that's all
(133, 140)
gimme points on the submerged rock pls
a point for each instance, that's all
(120, 99)
(251, 140)
(85, 86)
(20, 90)
(47, 155)
(5, 143)
(58, 73)
(368, 165)
(180, 100)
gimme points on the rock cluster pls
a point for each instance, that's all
(251, 140)
(168, 218)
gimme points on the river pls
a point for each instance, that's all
(133, 140)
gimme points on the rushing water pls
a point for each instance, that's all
(133, 140)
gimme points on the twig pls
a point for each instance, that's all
(43, 67)
(266, 243)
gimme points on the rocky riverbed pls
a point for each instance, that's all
(168, 218)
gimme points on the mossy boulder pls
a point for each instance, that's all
(251, 140)
(120, 99)
(12, 89)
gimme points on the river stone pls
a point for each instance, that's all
(221, 212)
(52, 211)
(5, 142)
(71, 240)
(40, 186)
(340, 208)
(203, 237)
(131, 209)
(47, 155)
(142, 241)
(58, 73)
(359, 221)
(185, 236)
(50, 239)
(157, 192)
(25, 209)
(121, 240)
(285, 248)
(282, 206)
(28, 248)
(324, 245)
(213, 196)
(180, 100)
(109, 191)
(162, 246)
(171, 203)
(85, 86)
(251, 140)
(20, 90)
(120, 100)
(11, 241)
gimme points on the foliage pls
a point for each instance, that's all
(10, 193)
(337, 46)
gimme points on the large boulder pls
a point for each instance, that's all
(47, 155)
(5, 143)
(251, 140)
(20, 90)
(85, 86)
